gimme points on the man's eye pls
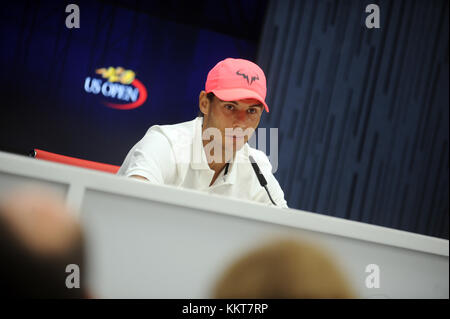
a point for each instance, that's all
(251, 111)
(229, 106)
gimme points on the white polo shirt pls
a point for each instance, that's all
(174, 155)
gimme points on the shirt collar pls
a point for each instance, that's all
(239, 159)
(198, 159)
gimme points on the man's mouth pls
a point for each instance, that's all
(235, 137)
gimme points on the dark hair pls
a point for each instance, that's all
(210, 97)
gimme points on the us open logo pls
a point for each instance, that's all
(117, 84)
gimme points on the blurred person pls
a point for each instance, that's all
(211, 153)
(39, 237)
(284, 269)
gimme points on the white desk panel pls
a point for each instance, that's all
(162, 242)
(10, 181)
(160, 250)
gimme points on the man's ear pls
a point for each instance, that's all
(203, 103)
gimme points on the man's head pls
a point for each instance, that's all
(39, 237)
(284, 269)
(233, 101)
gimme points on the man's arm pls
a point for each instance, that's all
(151, 160)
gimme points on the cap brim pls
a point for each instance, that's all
(239, 94)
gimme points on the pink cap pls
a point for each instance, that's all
(237, 79)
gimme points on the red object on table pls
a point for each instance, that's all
(44, 155)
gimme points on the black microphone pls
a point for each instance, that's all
(260, 177)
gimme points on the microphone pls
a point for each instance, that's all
(260, 177)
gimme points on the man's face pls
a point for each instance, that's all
(236, 120)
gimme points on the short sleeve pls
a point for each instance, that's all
(152, 157)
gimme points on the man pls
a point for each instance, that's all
(39, 238)
(210, 153)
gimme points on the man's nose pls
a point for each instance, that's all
(240, 118)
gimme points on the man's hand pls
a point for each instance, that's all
(139, 177)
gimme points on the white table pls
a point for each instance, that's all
(150, 241)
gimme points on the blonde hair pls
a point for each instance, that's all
(284, 269)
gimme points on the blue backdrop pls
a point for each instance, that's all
(44, 66)
(362, 113)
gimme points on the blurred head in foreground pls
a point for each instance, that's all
(284, 269)
(39, 237)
